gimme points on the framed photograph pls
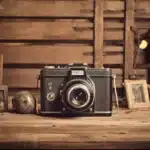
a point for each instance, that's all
(4, 97)
(137, 93)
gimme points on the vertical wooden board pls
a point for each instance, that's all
(1, 68)
(129, 38)
(98, 33)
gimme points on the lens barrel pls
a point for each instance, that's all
(78, 95)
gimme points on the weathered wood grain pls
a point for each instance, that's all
(117, 132)
(26, 78)
(1, 67)
(113, 58)
(129, 38)
(118, 58)
(59, 8)
(57, 20)
(114, 9)
(113, 35)
(46, 30)
(54, 54)
(141, 24)
(142, 9)
(72, 9)
(115, 5)
(98, 33)
(67, 8)
(142, 31)
(113, 14)
(113, 24)
(46, 54)
(60, 29)
(111, 48)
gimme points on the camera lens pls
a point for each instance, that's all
(78, 96)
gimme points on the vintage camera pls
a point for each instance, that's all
(76, 90)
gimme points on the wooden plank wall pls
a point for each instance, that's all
(35, 33)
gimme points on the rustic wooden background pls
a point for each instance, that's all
(35, 33)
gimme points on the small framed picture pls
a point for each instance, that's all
(4, 97)
(137, 93)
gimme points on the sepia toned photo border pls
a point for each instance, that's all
(129, 94)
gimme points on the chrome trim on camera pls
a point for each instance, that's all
(51, 96)
(60, 112)
(49, 67)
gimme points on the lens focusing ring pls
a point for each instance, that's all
(83, 88)
(87, 86)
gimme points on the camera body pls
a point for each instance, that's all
(76, 90)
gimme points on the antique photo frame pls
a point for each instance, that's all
(137, 94)
(4, 97)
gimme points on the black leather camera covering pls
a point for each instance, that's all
(54, 80)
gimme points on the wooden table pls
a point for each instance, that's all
(125, 129)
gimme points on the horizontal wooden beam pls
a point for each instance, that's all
(112, 9)
(46, 54)
(113, 35)
(67, 29)
(113, 59)
(114, 14)
(26, 78)
(111, 48)
(113, 24)
(19, 53)
(115, 5)
(47, 8)
(46, 30)
(118, 58)
(142, 9)
(57, 8)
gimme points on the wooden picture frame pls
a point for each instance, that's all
(137, 94)
(4, 96)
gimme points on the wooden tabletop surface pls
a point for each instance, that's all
(125, 129)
